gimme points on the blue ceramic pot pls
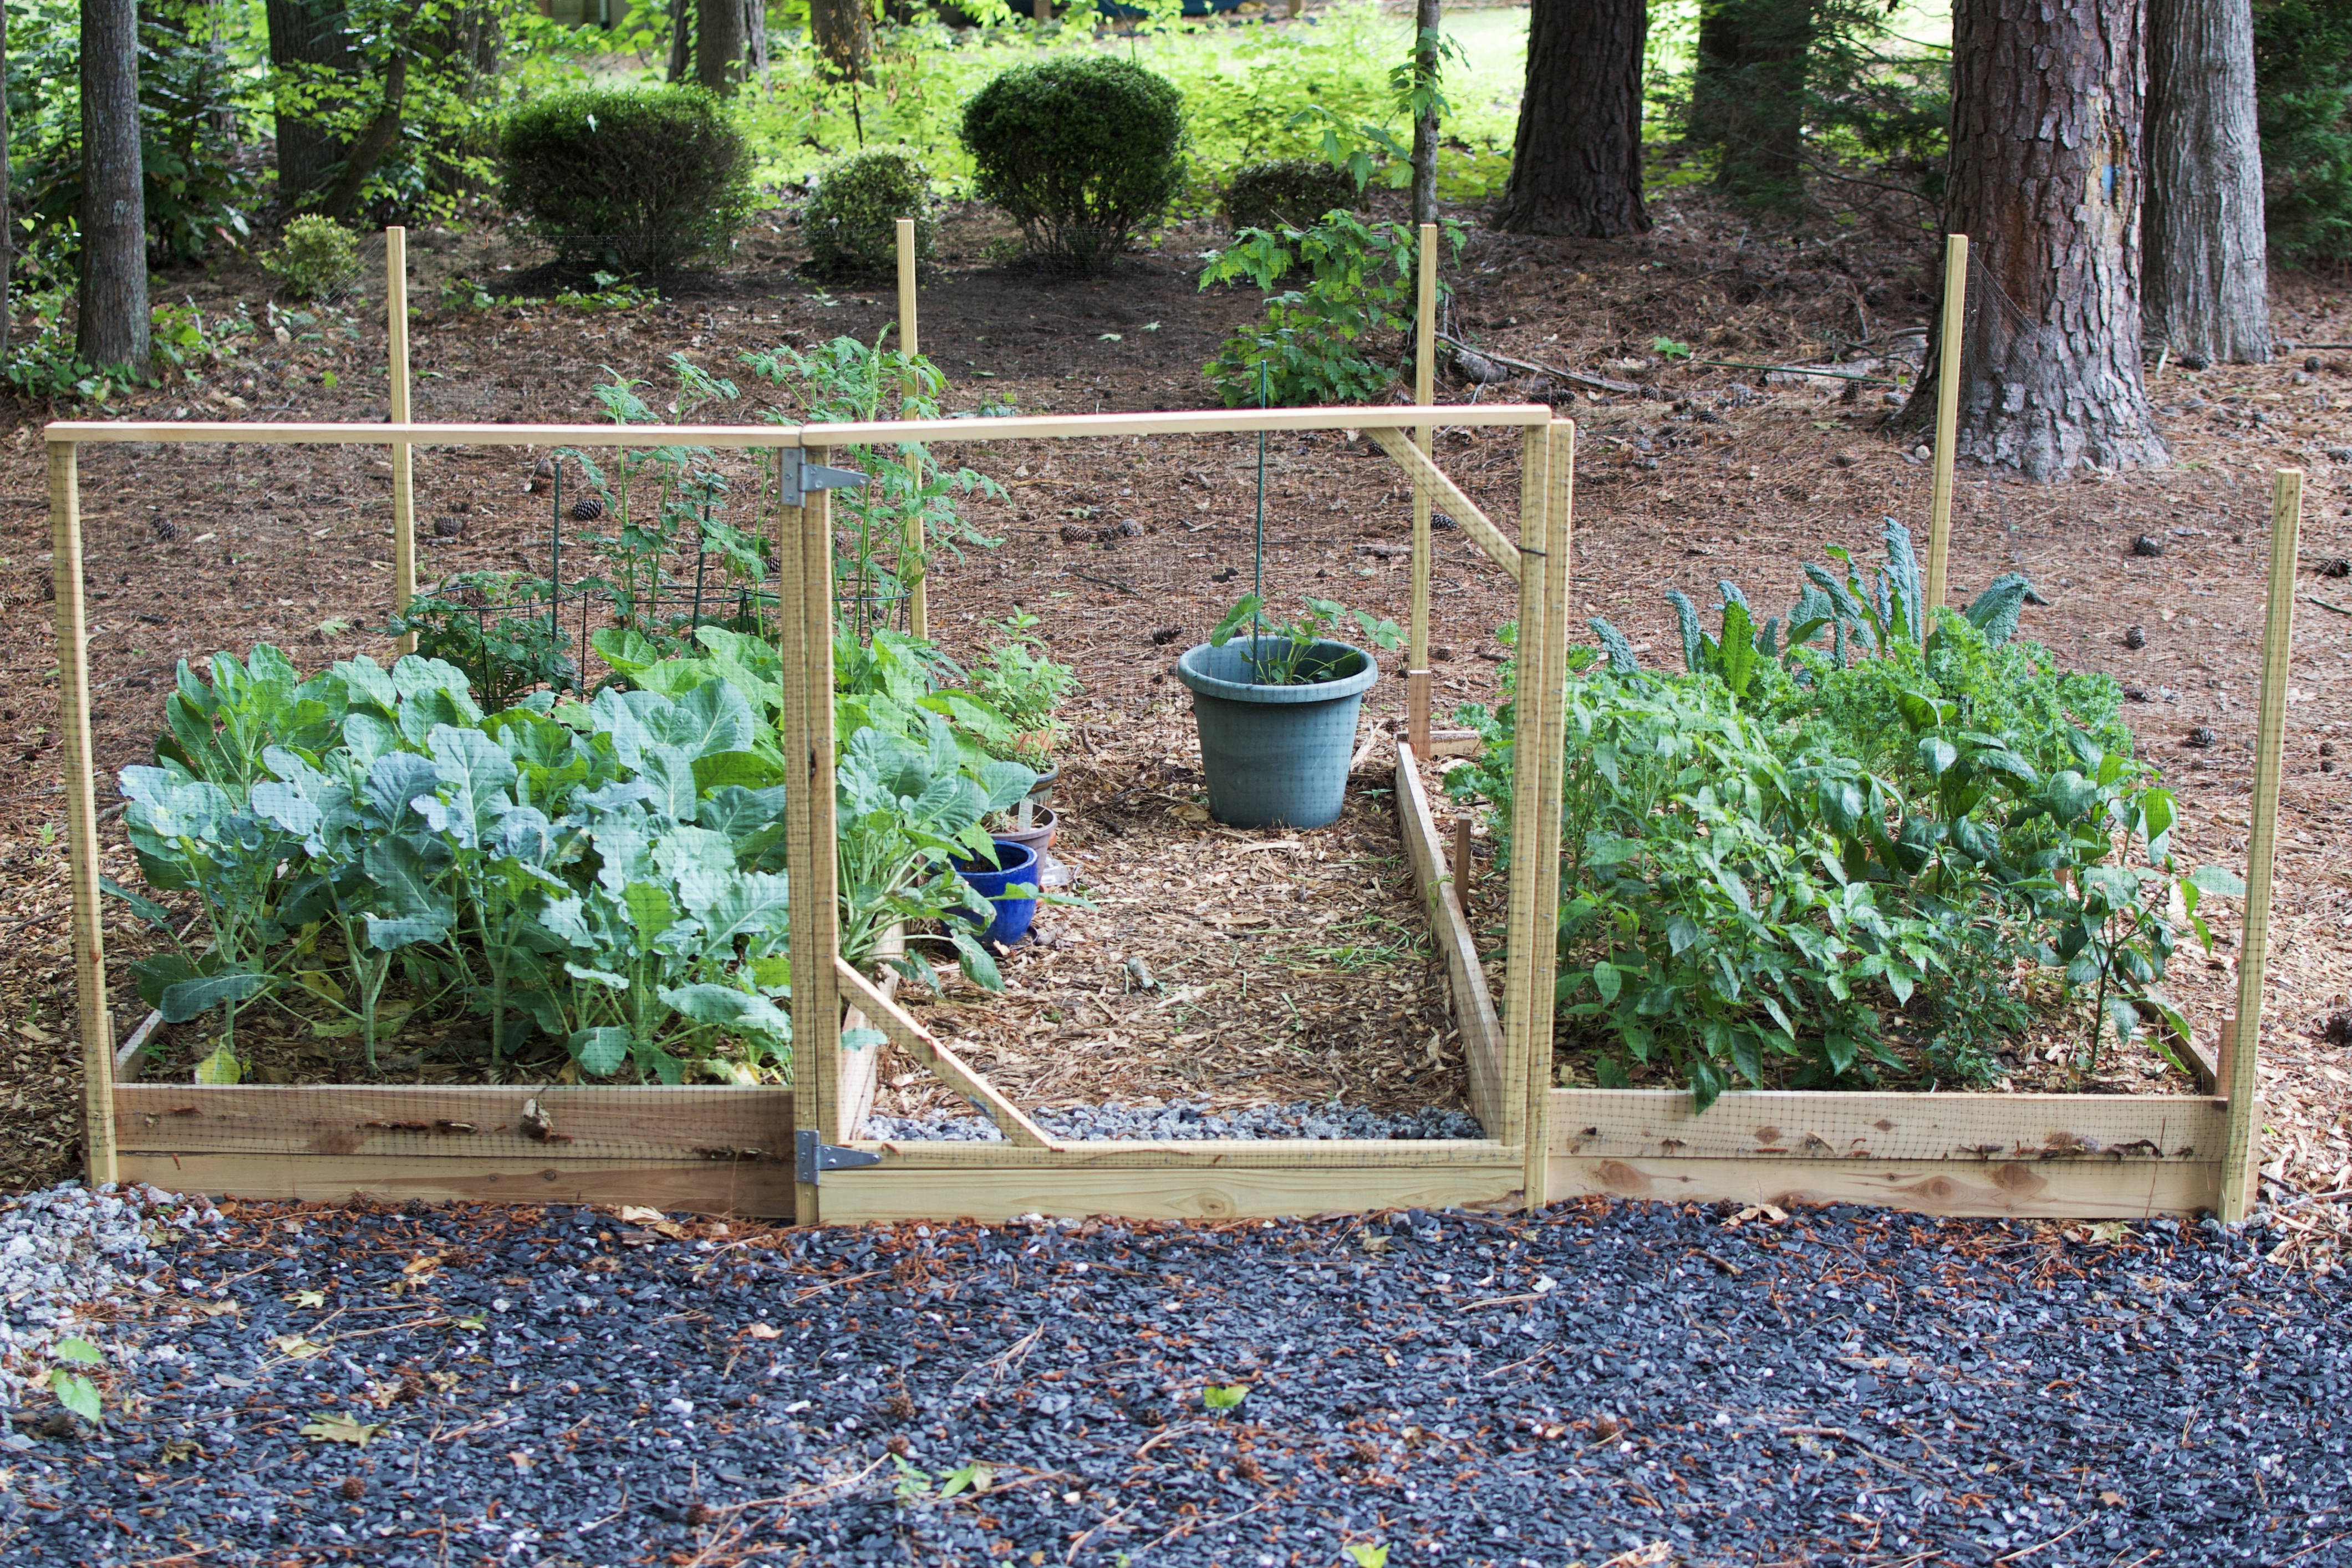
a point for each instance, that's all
(1016, 866)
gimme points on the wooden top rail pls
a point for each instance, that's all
(73, 432)
(1175, 422)
(1021, 427)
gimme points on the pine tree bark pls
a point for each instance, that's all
(112, 324)
(2045, 181)
(843, 32)
(1576, 167)
(719, 37)
(308, 32)
(2204, 285)
(1748, 95)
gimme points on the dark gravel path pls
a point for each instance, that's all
(1635, 1385)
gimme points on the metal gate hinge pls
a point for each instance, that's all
(812, 1157)
(797, 477)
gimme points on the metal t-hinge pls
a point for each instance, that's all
(814, 1157)
(798, 477)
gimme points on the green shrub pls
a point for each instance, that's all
(1079, 151)
(2302, 65)
(1779, 861)
(318, 259)
(1287, 192)
(1311, 347)
(852, 222)
(639, 183)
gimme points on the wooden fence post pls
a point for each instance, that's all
(2240, 1149)
(403, 478)
(912, 545)
(1539, 838)
(82, 815)
(1947, 415)
(1424, 389)
(805, 578)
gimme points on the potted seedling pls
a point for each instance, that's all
(1276, 710)
(1016, 679)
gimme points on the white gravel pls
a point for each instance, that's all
(1300, 1118)
(65, 1251)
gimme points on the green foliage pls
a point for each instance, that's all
(907, 509)
(1027, 689)
(851, 223)
(317, 258)
(636, 182)
(1312, 347)
(1287, 192)
(489, 624)
(2302, 109)
(197, 189)
(1284, 653)
(1080, 153)
(1770, 857)
(1223, 1396)
(74, 1390)
(1781, 90)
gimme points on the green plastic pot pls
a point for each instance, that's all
(1276, 756)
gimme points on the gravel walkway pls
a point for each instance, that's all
(1630, 1385)
(1300, 1118)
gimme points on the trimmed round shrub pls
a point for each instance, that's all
(1079, 151)
(1287, 191)
(852, 222)
(318, 259)
(638, 183)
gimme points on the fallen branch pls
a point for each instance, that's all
(1577, 378)
(2324, 604)
(1793, 370)
(1107, 583)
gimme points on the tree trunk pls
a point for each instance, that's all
(1577, 165)
(2045, 181)
(7, 212)
(1747, 96)
(755, 30)
(1424, 124)
(308, 32)
(681, 39)
(719, 44)
(2204, 286)
(843, 32)
(372, 144)
(112, 304)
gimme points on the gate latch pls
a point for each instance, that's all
(814, 1157)
(798, 477)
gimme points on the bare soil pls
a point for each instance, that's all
(1713, 473)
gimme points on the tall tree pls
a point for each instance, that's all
(1576, 168)
(1748, 95)
(843, 34)
(2204, 286)
(309, 41)
(112, 298)
(1424, 98)
(719, 39)
(7, 211)
(2045, 181)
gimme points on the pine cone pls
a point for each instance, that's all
(1077, 533)
(587, 509)
(165, 529)
(448, 527)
